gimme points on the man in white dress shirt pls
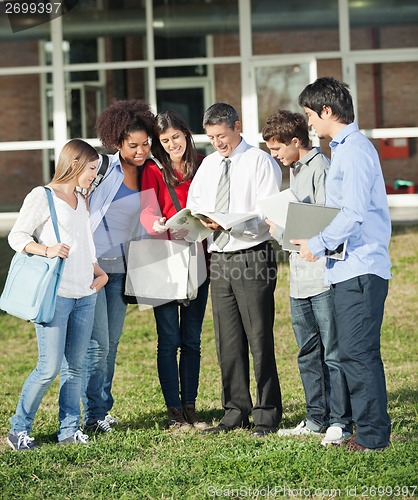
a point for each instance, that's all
(242, 272)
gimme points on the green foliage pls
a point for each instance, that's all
(141, 458)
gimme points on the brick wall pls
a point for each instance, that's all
(20, 171)
(387, 97)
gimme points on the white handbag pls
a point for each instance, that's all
(164, 270)
(159, 270)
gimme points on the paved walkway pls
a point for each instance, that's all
(402, 216)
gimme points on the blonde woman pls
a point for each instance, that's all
(62, 343)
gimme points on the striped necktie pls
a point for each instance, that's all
(221, 238)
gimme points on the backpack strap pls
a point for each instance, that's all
(101, 173)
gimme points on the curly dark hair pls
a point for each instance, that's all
(122, 118)
(164, 121)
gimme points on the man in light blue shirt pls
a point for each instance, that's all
(311, 303)
(359, 282)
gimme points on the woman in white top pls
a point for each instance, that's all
(62, 343)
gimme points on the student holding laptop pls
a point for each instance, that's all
(327, 405)
(359, 283)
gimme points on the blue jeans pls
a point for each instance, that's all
(359, 306)
(323, 379)
(62, 344)
(100, 361)
(179, 327)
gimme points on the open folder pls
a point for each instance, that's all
(189, 220)
(305, 220)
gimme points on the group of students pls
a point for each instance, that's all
(337, 307)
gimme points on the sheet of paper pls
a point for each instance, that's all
(275, 207)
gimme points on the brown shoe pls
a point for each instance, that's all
(352, 445)
(177, 420)
(189, 412)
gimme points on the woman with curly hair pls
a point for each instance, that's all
(124, 128)
(179, 323)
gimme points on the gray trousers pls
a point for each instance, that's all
(242, 292)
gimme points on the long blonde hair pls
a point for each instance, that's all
(73, 158)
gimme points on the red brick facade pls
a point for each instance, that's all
(387, 97)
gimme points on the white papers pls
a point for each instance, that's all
(225, 220)
(275, 207)
(305, 220)
(186, 219)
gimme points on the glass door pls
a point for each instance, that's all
(278, 85)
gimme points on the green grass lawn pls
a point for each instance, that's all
(143, 459)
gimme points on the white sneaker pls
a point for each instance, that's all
(111, 420)
(335, 435)
(299, 430)
(77, 438)
(21, 441)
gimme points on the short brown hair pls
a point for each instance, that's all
(283, 126)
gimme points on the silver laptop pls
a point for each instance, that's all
(305, 220)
